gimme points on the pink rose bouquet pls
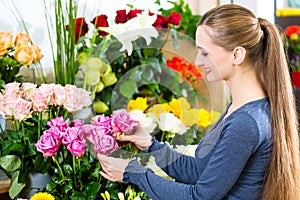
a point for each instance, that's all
(39, 127)
(72, 145)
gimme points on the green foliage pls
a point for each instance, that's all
(9, 68)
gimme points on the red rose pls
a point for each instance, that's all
(161, 22)
(133, 13)
(121, 16)
(101, 21)
(174, 18)
(292, 30)
(81, 28)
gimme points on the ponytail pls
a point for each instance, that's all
(282, 178)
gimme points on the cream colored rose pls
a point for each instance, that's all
(24, 55)
(22, 38)
(27, 90)
(22, 109)
(40, 100)
(59, 95)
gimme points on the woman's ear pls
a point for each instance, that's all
(239, 54)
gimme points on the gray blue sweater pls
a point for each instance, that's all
(230, 161)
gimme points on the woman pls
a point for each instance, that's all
(252, 150)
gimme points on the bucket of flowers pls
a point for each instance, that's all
(293, 44)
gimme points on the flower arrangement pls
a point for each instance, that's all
(29, 107)
(293, 38)
(16, 52)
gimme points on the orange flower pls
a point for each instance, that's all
(188, 71)
(24, 55)
(22, 38)
(37, 56)
(6, 41)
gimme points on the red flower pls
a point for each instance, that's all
(101, 21)
(292, 30)
(121, 16)
(161, 21)
(81, 28)
(174, 18)
(188, 71)
(133, 13)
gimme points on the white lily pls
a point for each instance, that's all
(139, 26)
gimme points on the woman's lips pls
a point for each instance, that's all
(207, 71)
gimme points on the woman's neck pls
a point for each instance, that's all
(244, 87)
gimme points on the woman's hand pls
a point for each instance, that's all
(141, 139)
(112, 168)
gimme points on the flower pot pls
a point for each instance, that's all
(34, 182)
(296, 79)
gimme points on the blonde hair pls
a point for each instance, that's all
(233, 26)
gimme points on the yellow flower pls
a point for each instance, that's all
(189, 117)
(139, 103)
(204, 118)
(175, 107)
(214, 116)
(179, 105)
(42, 196)
(294, 36)
(105, 195)
(158, 109)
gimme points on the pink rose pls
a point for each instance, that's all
(103, 122)
(77, 147)
(27, 90)
(59, 123)
(59, 95)
(122, 122)
(77, 123)
(13, 87)
(22, 109)
(105, 144)
(89, 130)
(40, 100)
(73, 100)
(7, 104)
(85, 97)
(71, 133)
(48, 144)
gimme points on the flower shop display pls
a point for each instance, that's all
(29, 107)
(16, 52)
(293, 44)
(115, 69)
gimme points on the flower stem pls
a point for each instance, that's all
(74, 169)
(59, 168)
(39, 124)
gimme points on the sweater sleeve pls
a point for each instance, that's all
(237, 143)
(175, 164)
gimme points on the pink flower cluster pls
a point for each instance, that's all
(18, 101)
(100, 133)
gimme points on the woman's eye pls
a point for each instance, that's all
(204, 53)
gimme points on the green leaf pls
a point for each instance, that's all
(10, 162)
(77, 196)
(15, 187)
(92, 189)
(127, 88)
